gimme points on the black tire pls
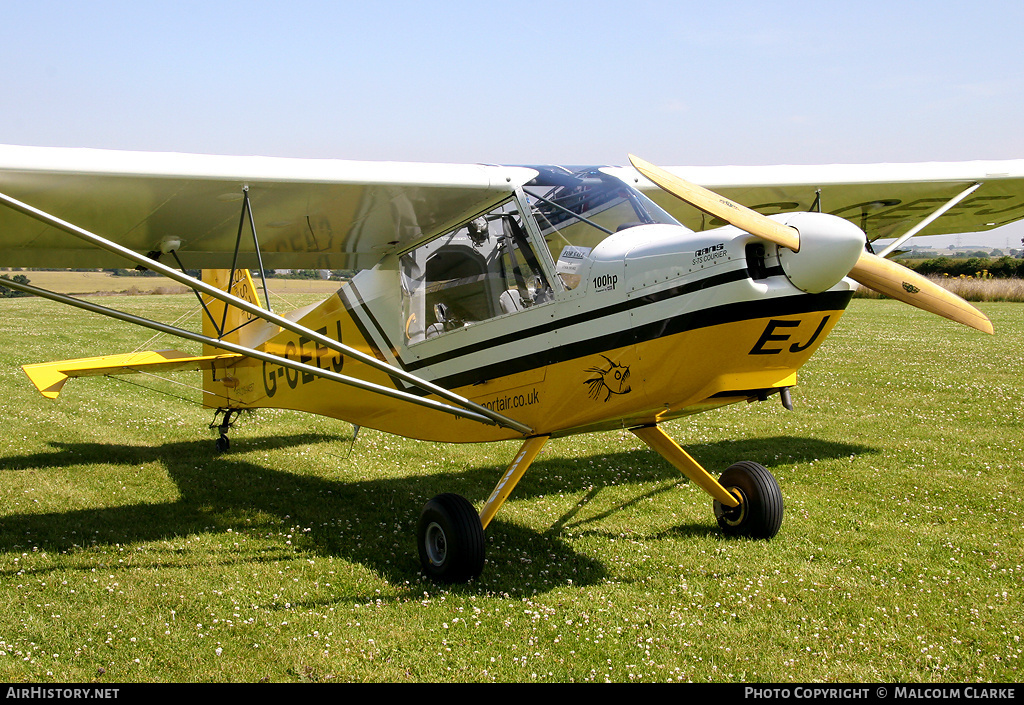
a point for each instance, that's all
(222, 444)
(450, 539)
(759, 515)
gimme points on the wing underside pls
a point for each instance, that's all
(884, 200)
(315, 214)
(333, 214)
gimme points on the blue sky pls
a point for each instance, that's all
(558, 82)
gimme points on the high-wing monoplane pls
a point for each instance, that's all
(493, 302)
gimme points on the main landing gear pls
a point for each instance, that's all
(450, 535)
(451, 539)
(759, 513)
(748, 501)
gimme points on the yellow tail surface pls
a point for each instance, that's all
(220, 369)
(222, 388)
(49, 377)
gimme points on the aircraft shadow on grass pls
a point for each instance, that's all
(371, 522)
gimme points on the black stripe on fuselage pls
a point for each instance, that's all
(566, 322)
(360, 304)
(726, 313)
(693, 320)
(541, 329)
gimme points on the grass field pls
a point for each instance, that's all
(130, 552)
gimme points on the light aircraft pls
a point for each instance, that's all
(497, 302)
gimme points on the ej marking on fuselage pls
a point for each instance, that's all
(308, 352)
(769, 336)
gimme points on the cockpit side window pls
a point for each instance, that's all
(477, 272)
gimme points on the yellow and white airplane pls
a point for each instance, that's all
(497, 302)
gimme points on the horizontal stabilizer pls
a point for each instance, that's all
(49, 377)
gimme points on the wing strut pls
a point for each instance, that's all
(469, 409)
(928, 221)
(248, 352)
(247, 210)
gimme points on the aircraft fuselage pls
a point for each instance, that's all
(662, 323)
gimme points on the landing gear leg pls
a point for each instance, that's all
(748, 501)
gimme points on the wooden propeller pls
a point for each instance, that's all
(884, 276)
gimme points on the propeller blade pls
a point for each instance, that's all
(897, 282)
(882, 275)
(719, 206)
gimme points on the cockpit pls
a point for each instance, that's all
(519, 255)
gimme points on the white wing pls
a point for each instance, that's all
(315, 214)
(884, 200)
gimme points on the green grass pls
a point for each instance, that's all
(130, 552)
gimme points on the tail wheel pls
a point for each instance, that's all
(759, 514)
(222, 444)
(450, 539)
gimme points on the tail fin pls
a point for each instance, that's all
(225, 322)
(233, 325)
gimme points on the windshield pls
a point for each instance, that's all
(576, 210)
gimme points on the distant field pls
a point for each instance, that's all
(970, 289)
(130, 551)
(105, 283)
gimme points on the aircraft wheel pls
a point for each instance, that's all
(759, 514)
(222, 444)
(450, 539)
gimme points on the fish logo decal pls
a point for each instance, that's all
(610, 379)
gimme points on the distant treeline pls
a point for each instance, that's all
(120, 272)
(270, 273)
(307, 273)
(6, 293)
(1002, 268)
(278, 274)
